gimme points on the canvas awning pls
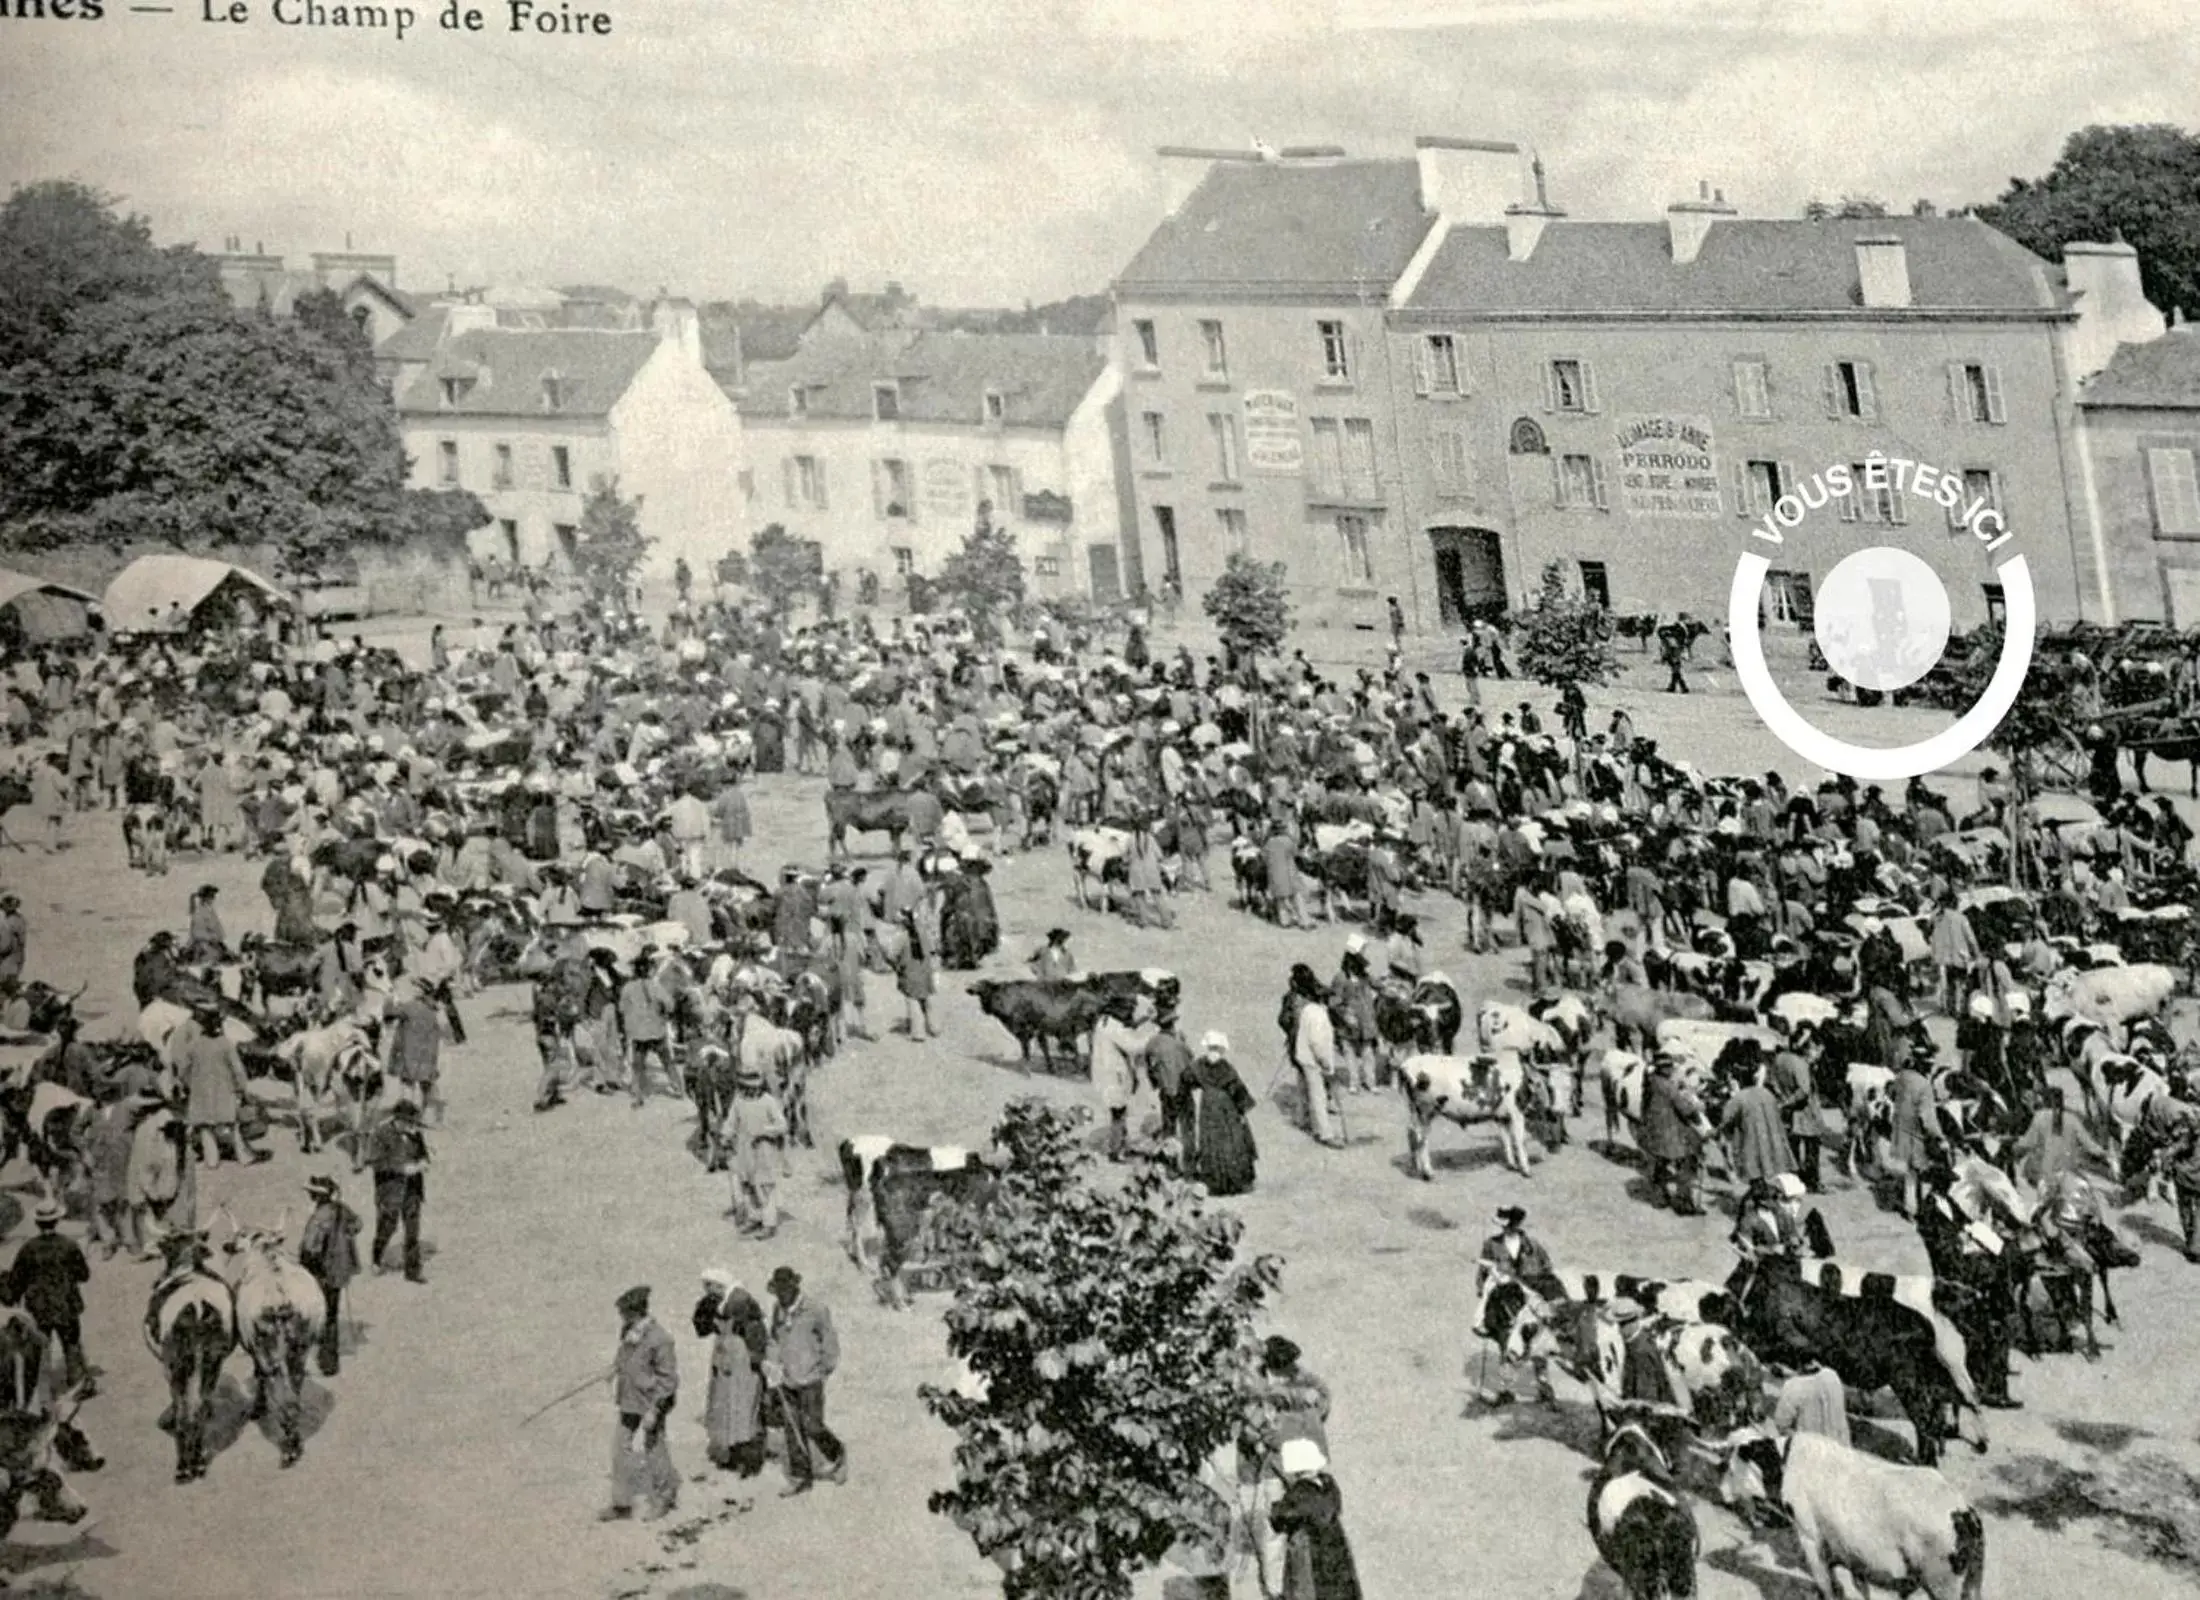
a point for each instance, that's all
(155, 594)
(44, 609)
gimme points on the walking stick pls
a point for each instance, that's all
(575, 1392)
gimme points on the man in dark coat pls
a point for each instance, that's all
(805, 1351)
(329, 1249)
(646, 1371)
(47, 1279)
(1672, 1136)
(398, 1153)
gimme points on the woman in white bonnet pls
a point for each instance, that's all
(730, 1318)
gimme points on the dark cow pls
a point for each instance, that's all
(46, 1009)
(846, 811)
(274, 971)
(1423, 1017)
(897, 1184)
(1148, 983)
(1642, 1527)
(1249, 870)
(1056, 1011)
(1871, 1343)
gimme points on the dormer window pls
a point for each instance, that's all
(553, 391)
(996, 407)
(454, 390)
(798, 401)
(886, 401)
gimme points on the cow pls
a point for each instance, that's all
(1464, 1089)
(1098, 855)
(1501, 1027)
(1642, 1527)
(1637, 1013)
(279, 1310)
(330, 1065)
(1870, 1343)
(288, 972)
(1574, 1020)
(1422, 1016)
(1879, 1522)
(1249, 870)
(58, 1122)
(1159, 987)
(30, 1443)
(847, 811)
(191, 1326)
(2112, 996)
(781, 1056)
(896, 1185)
(1048, 1011)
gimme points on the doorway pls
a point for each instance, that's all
(1107, 584)
(1470, 572)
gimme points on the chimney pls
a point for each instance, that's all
(1470, 182)
(2112, 305)
(677, 321)
(1688, 222)
(1185, 167)
(1883, 268)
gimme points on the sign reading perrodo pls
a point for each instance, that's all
(1272, 440)
(1668, 467)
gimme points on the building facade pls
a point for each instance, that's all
(1505, 388)
(532, 419)
(2139, 431)
(880, 448)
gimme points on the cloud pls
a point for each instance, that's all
(990, 154)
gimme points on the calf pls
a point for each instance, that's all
(1904, 1527)
(1464, 1089)
(1642, 1527)
(1050, 1012)
(897, 1185)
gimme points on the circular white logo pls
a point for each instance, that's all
(1882, 619)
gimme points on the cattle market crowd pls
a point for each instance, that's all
(1750, 974)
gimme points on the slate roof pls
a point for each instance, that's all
(943, 378)
(1745, 265)
(404, 304)
(596, 369)
(417, 339)
(766, 333)
(2163, 372)
(1349, 225)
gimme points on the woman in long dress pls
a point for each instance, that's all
(733, 1425)
(1219, 1151)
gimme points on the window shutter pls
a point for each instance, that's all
(1898, 508)
(1958, 400)
(1424, 365)
(1993, 394)
(980, 489)
(1867, 399)
(909, 490)
(789, 479)
(1352, 355)
(1550, 386)
(1596, 483)
(878, 489)
(1734, 370)
(1833, 389)
(1852, 503)
(1955, 512)
(1462, 380)
(1558, 479)
(1788, 479)
(1589, 396)
(822, 502)
(1743, 490)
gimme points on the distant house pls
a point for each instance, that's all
(530, 418)
(364, 281)
(880, 447)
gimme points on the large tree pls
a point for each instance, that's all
(2139, 183)
(782, 567)
(1109, 1331)
(1249, 605)
(139, 403)
(609, 548)
(1564, 638)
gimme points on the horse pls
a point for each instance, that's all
(279, 1310)
(190, 1326)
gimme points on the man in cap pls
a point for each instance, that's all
(398, 1153)
(1672, 1136)
(803, 1353)
(214, 1086)
(646, 1375)
(1053, 959)
(47, 1279)
(329, 1249)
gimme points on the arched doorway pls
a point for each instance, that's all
(1470, 572)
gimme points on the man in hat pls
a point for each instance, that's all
(47, 1279)
(1166, 1061)
(329, 1249)
(643, 1016)
(803, 1353)
(398, 1153)
(412, 1042)
(1301, 1415)
(793, 910)
(214, 1086)
(646, 1375)
(1515, 1254)
(1053, 959)
(1671, 1135)
(759, 1141)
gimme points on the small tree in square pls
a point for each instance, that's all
(609, 548)
(782, 566)
(1564, 638)
(1110, 1333)
(985, 578)
(1248, 606)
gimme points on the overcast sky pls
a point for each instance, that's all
(986, 153)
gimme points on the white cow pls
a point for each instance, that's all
(1464, 1089)
(1904, 1527)
(2111, 996)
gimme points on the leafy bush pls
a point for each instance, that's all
(1564, 638)
(1248, 605)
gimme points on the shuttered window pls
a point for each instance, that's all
(2176, 492)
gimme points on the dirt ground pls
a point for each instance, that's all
(421, 1477)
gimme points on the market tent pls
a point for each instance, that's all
(42, 610)
(166, 594)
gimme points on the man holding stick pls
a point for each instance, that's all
(646, 1373)
(804, 1351)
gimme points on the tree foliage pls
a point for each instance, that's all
(782, 566)
(985, 578)
(1110, 1331)
(609, 548)
(1565, 637)
(1248, 606)
(2138, 183)
(138, 403)
(438, 520)
(1849, 205)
